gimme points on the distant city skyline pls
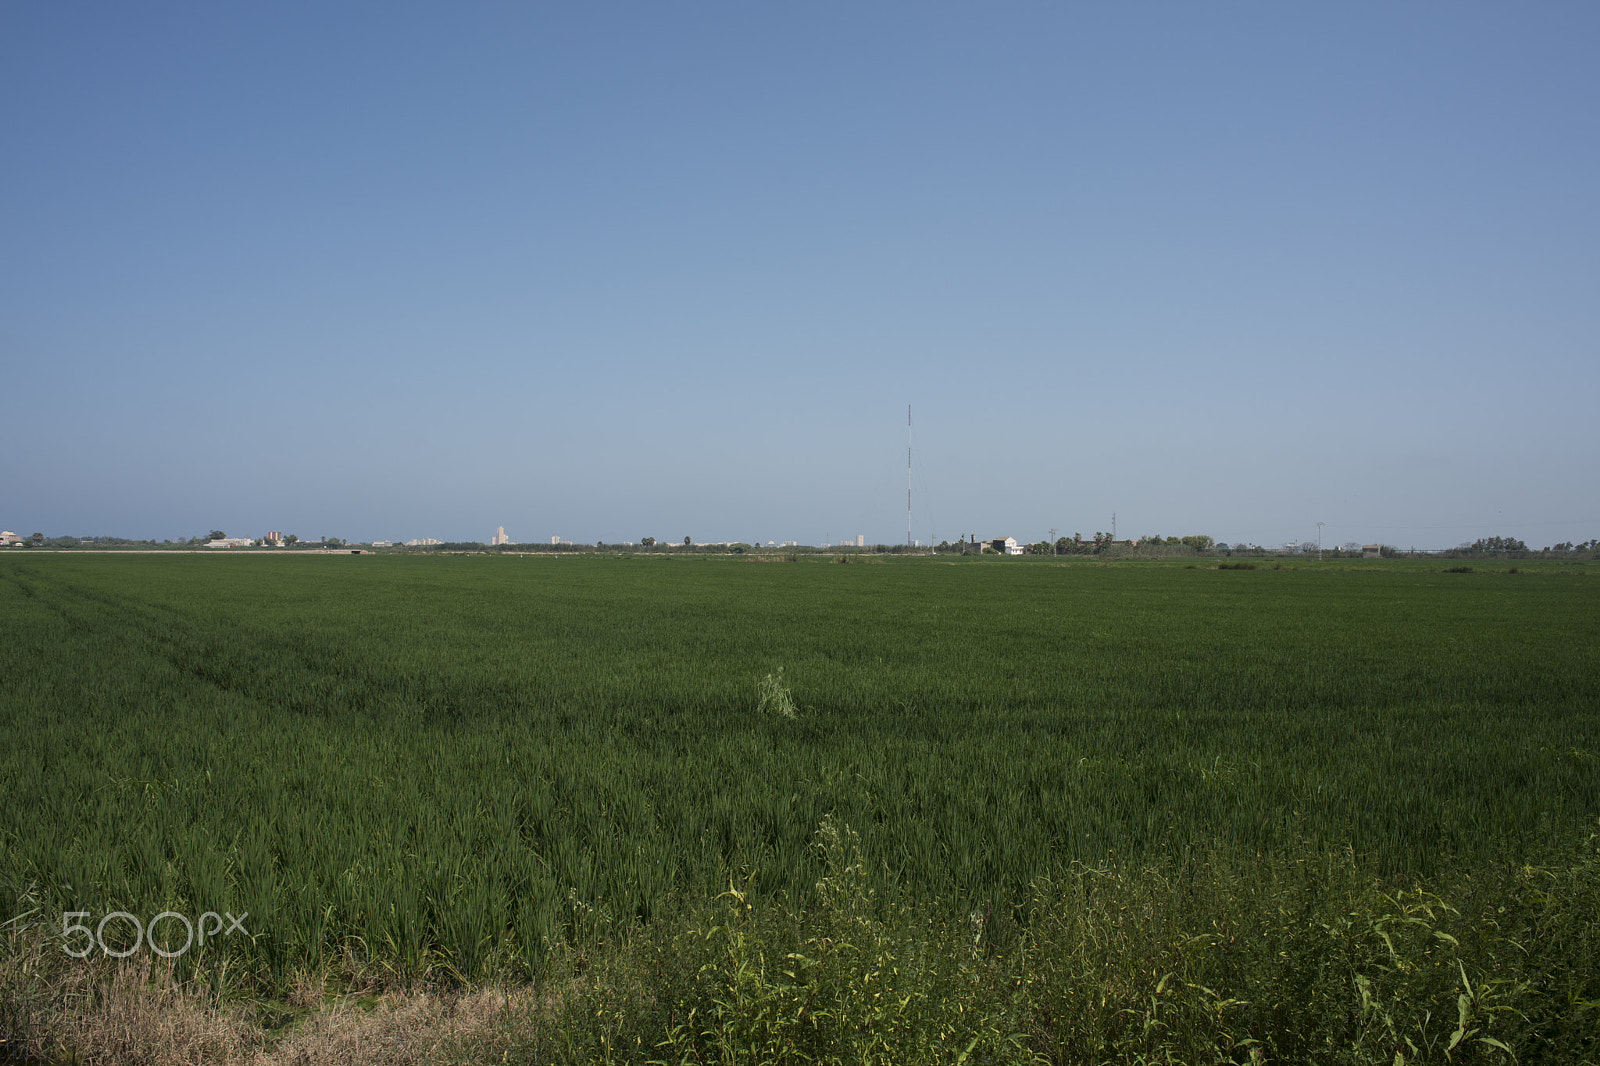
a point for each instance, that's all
(501, 538)
(8, 538)
(678, 271)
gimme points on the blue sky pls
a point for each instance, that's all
(395, 270)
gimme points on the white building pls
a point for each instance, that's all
(9, 539)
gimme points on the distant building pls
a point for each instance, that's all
(9, 539)
(273, 539)
(500, 536)
(861, 540)
(1371, 551)
(231, 542)
(422, 542)
(1006, 545)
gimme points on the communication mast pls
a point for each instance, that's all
(908, 476)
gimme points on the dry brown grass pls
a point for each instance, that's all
(122, 1012)
(133, 1013)
(404, 1028)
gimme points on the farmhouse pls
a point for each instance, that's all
(1000, 545)
(9, 539)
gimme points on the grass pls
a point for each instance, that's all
(428, 777)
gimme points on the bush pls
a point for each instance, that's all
(856, 978)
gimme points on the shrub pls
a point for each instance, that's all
(856, 978)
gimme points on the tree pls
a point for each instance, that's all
(216, 534)
(1496, 544)
(685, 542)
(291, 539)
(37, 539)
(648, 542)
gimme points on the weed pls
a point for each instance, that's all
(857, 978)
(775, 697)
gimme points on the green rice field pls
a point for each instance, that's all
(456, 768)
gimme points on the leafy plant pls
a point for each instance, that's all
(854, 978)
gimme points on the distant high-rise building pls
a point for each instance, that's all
(861, 540)
(500, 536)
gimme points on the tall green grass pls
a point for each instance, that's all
(443, 769)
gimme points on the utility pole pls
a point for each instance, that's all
(1319, 542)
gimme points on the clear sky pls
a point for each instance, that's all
(387, 270)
